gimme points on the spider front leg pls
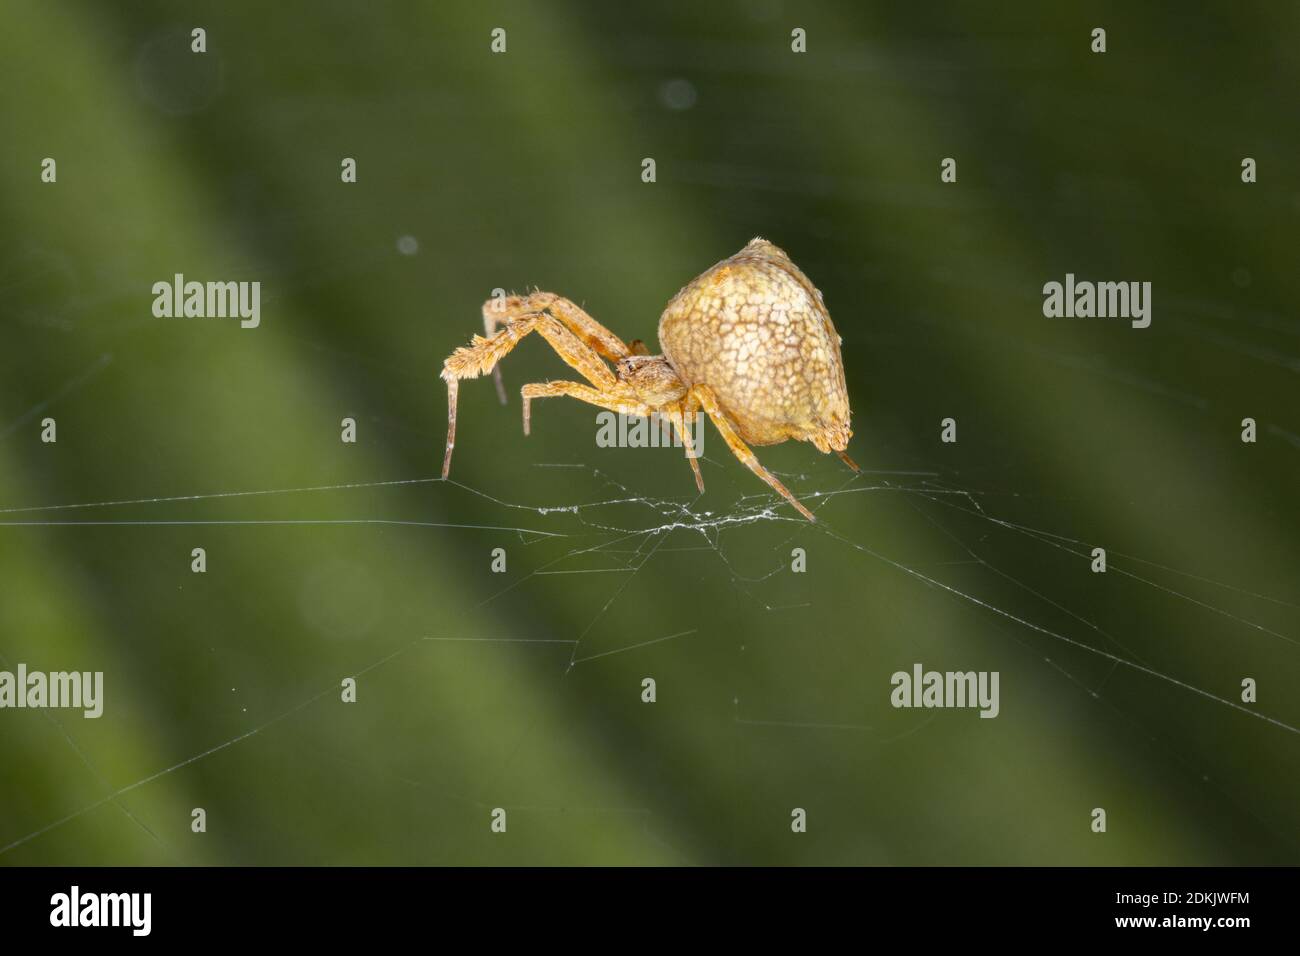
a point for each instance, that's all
(622, 400)
(483, 354)
(619, 399)
(705, 396)
(602, 341)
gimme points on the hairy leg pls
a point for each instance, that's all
(622, 400)
(706, 398)
(690, 406)
(453, 386)
(679, 424)
(483, 354)
(592, 334)
(615, 400)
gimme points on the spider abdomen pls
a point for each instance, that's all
(755, 330)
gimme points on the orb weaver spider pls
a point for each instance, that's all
(749, 341)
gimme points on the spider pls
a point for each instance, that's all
(749, 341)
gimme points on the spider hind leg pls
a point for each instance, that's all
(706, 397)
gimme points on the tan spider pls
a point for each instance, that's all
(749, 341)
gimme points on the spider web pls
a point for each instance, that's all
(609, 537)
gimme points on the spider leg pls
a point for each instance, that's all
(483, 354)
(706, 397)
(494, 314)
(848, 461)
(679, 424)
(453, 386)
(590, 332)
(690, 407)
(614, 400)
(623, 402)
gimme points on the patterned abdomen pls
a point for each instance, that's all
(755, 330)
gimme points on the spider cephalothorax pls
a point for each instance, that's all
(749, 341)
(652, 378)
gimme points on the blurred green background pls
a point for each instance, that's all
(517, 170)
